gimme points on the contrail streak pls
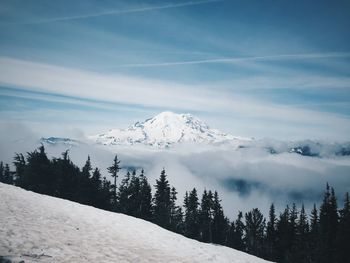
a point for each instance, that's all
(242, 59)
(118, 12)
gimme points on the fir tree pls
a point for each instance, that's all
(20, 165)
(113, 170)
(300, 251)
(254, 229)
(1, 172)
(37, 175)
(206, 217)
(176, 216)
(146, 198)
(283, 235)
(123, 205)
(192, 223)
(271, 234)
(314, 235)
(343, 238)
(238, 240)
(87, 168)
(328, 227)
(134, 196)
(220, 222)
(162, 204)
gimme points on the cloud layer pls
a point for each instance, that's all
(245, 178)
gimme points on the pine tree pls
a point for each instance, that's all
(220, 222)
(254, 228)
(271, 234)
(20, 165)
(238, 241)
(87, 168)
(134, 195)
(328, 226)
(146, 198)
(300, 251)
(113, 170)
(37, 175)
(122, 204)
(283, 235)
(192, 223)
(1, 172)
(162, 204)
(206, 217)
(176, 216)
(7, 175)
(343, 238)
(314, 235)
(85, 185)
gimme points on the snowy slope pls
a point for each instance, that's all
(38, 228)
(163, 130)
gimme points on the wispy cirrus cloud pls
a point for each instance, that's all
(306, 56)
(118, 12)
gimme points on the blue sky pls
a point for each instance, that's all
(276, 69)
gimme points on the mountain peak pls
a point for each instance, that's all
(163, 130)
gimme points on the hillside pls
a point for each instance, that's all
(39, 228)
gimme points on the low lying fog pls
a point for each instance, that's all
(244, 177)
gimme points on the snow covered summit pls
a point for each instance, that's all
(163, 130)
(39, 228)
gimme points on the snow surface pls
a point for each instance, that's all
(39, 228)
(163, 130)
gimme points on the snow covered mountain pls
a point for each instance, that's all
(164, 130)
(39, 228)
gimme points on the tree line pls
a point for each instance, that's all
(292, 236)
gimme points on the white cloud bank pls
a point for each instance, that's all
(245, 178)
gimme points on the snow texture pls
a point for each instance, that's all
(39, 228)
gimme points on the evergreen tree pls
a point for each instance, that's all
(176, 216)
(98, 196)
(37, 175)
(283, 236)
(7, 177)
(1, 172)
(343, 238)
(162, 204)
(113, 170)
(220, 222)
(238, 240)
(20, 165)
(254, 229)
(300, 251)
(328, 227)
(66, 178)
(271, 235)
(123, 205)
(87, 168)
(85, 187)
(206, 217)
(192, 215)
(314, 235)
(146, 198)
(134, 196)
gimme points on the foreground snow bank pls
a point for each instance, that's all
(39, 228)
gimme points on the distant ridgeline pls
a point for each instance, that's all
(292, 236)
